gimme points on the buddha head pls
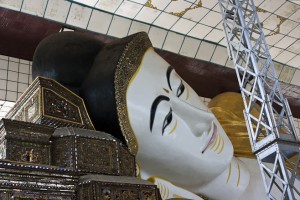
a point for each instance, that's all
(134, 94)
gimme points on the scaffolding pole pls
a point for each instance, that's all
(268, 117)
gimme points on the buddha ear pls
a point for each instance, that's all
(65, 57)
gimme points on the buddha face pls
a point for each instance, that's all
(178, 138)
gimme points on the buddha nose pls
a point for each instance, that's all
(198, 120)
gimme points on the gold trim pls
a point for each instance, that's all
(187, 94)
(138, 169)
(87, 114)
(178, 196)
(215, 142)
(160, 189)
(149, 4)
(174, 128)
(168, 191)
(258, 9)
(180, 14)
(151, 179)
(277, 29)
(167, 91)
(219, 141)
(229, 173)
(126, 68)
(164, 188)
(222, 146)
(278, 26)
(239, 176)
(37, 83)
(72, 93)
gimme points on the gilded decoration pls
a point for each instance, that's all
(150, 5)
(30, 155)
(178, 14)
(59, 107)
(199, 4)
(228, 109)
(281, 20)
(277, 30)
(127, 65)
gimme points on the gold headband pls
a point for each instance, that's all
(129, 62)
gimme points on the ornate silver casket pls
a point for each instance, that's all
(89, 151)
(39, 161)
(25, 142)
(28, 181)
(96, 187)
(48, 102)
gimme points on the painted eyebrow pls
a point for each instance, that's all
(169, 70)
(154, 106)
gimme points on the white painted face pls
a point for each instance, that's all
(179, 139)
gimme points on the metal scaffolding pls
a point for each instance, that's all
(268, 117)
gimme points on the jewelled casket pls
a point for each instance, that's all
(48, 102)
(96, 187)
(75, 152)
(89, 151)
(25, 142)
(40, 161)
(36, 182)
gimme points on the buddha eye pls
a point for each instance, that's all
(180, 89)
(167, 121)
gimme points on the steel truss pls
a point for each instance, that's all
(268, 117)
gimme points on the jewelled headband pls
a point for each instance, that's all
(128, 63)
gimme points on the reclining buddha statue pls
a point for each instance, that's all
(134, 94)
